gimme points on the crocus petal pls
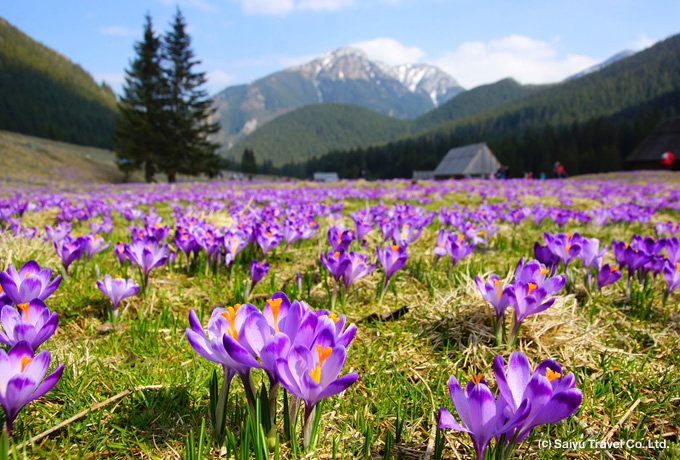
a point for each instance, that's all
(446, 420)
(338, 385)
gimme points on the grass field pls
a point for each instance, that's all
(621, 347)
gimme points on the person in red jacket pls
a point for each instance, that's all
(667, 159)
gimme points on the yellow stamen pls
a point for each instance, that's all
(24, 361)
(566, 248)
(532, 286)
(27, 275)
(24, 307)
(499, 290)
(461, 237)
(337, 254)
(230, 316)
(334, 317)
(677, 267)
(551, 375)
(613, 268)
(140, 234)
(544, 270)
(275, 304)
(477, 378)
(324, 353)
(395, 247)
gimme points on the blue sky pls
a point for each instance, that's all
(476, 42)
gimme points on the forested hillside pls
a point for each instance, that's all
(43, 93)
(590, 124)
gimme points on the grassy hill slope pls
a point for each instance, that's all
(33, 160)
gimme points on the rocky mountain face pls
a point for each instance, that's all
(343, 75)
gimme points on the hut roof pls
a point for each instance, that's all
(473, 160)
(664, 138)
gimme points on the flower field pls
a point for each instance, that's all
(395, 319)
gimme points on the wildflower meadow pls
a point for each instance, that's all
(469, 319)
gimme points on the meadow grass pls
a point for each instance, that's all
(626, 365)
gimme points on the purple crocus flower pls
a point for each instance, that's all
(590, 254)
(94, 244)
(117, 289)
(21, 378)
(234, 242)
(672, 275)
(58, 232)
(148, 254)
(545, 256)
(362, 229)
(336, 263)
(477, 410)
(497, 294)
(619, 248)
(70, 250)
(268, 238)
(340, 238)
(440, 250)
(457, 248)
(564, 245)
(392, 258)
(224, 323)
(534, 272)
(407, 234)
(356, 269)
(609, 274)
(31, 282)
(119, 251)
(528, 299)
(30, 322)
(258, 270)
(312, 375)
(551, 394)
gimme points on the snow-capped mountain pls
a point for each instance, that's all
(342, 75)
(602, 65)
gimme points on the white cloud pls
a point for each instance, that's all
(523, 58)
(390, 51)
(281, 7)
(642, 42)
(328, 5)
(219, 77)
(118, 30)
(198, 4)
(269, 7)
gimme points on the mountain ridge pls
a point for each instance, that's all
(342, 75)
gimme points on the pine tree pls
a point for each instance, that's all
(248, 162)
(138, 138)
(189, 150)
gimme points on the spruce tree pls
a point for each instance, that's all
(139, 136)
(248, 162)
(189, 151)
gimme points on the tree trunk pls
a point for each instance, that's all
(172, 177)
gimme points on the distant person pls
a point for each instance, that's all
(559, 170)
(667, 159)
(542, 176)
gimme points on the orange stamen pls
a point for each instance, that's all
(477, 378)
(275, 304)
(24, 308)
(334, 317)
(532, 286)
(499, 290)
(551, 375)
(230, 316)
(24, 361)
